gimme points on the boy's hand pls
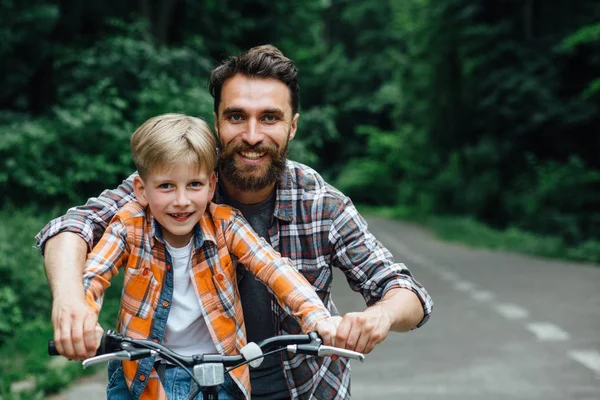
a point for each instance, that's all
(75, 329)
(327, 329)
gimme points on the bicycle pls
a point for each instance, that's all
(208, 370)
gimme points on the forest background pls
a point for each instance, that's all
(478, 118)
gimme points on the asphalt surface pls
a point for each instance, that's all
(504, 326)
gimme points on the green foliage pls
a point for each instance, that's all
(558, 197)
(83, 146)
(23, 289)
(9, 309)
(25, 306)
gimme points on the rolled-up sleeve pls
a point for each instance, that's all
(90, 220)
(369, 266)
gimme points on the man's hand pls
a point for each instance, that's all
(361, 331)
(399, 310)
(327, 328)
(73, 320)
(76, 330)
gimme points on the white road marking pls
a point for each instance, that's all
(464, 286)
(449, 276)
(589, 358)
(511, 311)
(482, 295)
(547, 332)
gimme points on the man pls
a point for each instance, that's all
(290, 206)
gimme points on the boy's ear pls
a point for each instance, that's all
(139, 190)
(213, 185)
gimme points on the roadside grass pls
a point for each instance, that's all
(473, 233)
(25, 309)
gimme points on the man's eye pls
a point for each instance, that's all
(235, 117)
(271, 118)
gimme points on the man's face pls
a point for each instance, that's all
(254, 124)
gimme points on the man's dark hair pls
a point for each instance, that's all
(259, 62)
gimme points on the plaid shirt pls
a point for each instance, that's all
(133, 241)
(318, 228)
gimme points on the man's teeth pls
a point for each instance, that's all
(252, 155)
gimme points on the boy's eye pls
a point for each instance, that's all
(196, 184)
(165, 186)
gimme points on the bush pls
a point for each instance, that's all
(82, 146)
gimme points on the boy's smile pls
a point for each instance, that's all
(177, 197)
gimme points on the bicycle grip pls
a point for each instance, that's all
(52, 349)
(105, 345)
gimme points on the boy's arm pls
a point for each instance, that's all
(293, 292)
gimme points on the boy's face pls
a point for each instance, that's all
(177, 197)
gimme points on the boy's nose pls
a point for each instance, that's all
(182, 199)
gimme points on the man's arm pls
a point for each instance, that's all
(64, 242)
(396, 300)
(74, 322)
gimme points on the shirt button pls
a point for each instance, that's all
(220, 277)
(142, 377)
(165, 304)
(169, 268)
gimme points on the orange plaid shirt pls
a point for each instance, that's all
(222, 238)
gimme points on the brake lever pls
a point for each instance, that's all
(119, 355)
(330, 351)
(126, 355)
(323, 350)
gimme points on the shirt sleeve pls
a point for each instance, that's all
(293, 292)
(367, 264)
(90, 220)
(104, 262)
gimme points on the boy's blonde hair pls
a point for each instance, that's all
(173, 139)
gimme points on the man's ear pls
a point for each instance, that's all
(139, 190)
(294, 126)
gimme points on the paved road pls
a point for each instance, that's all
(504, 327)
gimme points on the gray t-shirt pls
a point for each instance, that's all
(268, 381)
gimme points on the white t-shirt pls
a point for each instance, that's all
(186, 332)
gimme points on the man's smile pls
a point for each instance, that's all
(252, 155)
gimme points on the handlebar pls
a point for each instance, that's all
(115, 346)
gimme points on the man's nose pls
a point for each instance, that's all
(253, 134)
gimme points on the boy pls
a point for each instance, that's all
(180, 252)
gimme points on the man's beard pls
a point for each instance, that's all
(245, 177)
